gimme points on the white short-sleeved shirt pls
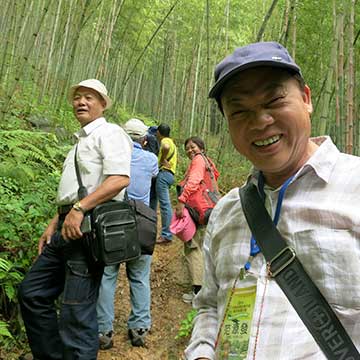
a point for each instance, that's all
(103, 149)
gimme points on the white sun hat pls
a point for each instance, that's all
(135, 127)
(94, 84)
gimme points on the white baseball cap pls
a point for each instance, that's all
(135, 127)
(94, 84)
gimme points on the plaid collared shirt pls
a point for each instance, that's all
(320, 219)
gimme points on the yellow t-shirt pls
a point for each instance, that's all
(172, 154)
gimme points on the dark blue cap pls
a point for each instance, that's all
(250, 56)
(152, 130)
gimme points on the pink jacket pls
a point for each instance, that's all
(196, 177)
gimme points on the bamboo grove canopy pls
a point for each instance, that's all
(157, 56)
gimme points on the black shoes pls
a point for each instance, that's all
(137, 336)
(163, 241)
(106, 340)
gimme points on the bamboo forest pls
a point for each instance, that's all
(157, 60)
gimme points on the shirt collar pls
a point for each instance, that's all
(322, 162)
(90, 127)
(137, 145)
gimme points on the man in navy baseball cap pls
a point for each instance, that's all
(241, 309)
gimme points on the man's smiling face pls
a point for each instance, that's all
(269, 119)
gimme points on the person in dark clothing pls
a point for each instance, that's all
(153, 146)
(152, 143)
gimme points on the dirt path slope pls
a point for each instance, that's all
(169, 279)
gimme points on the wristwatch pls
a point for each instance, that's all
(77, 206)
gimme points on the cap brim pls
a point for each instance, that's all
(216, 90)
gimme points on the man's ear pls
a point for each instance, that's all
(307, 99)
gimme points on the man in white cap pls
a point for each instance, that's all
(144, 167)
(103, 153)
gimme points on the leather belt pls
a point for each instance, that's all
(167, 171)
(64, 209)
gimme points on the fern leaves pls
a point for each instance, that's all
(23, 152)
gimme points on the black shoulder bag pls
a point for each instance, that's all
(146, 224)
(284, 266)
(114, 237)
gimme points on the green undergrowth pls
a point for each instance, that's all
(30, 166)
(186, 325)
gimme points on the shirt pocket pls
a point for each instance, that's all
(332, 259)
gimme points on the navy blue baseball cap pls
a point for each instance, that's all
(152, 130)
(254, 55)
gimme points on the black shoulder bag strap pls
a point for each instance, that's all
(82, 191)
(171, 156)
(284, 266)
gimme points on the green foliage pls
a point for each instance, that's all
(30, 164)
(26, 105)
(186, 325)
(10, 277)
(4, 331)
(23, 151)
(29, 173)
(119, 115)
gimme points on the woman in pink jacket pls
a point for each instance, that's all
(199, 193)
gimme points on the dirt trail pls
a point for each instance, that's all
(169, 280)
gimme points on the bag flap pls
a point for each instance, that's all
(144, 210)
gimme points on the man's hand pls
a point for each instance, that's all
(165, 163)
(179, 209)
(71, 227)
(45, 238)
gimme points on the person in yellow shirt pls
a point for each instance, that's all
(167, 166)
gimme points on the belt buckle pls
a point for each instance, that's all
(269, 264)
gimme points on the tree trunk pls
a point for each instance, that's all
(196, 79)
(138, 89)
(10, 19)
(149, 42)
(260, 34)
(72, 51)
(350, 86)
(337, 29)
(20, 73)
(293, 49)
(283, 37)
(324, 117)
(50, 50)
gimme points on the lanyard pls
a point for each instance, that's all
(254, 248)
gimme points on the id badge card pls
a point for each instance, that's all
(235, 333)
